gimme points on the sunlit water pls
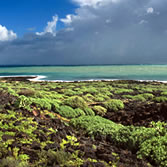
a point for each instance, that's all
(74, 73)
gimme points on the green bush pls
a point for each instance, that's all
(55, 106)
(96, 125)
(146, 89)
(149, 143)
(70, 92)
(156, 149)
(139, 97)
(91, 90)
(42, 103)
(119, 91)
(160, 99)
(23, 102)
(100, 110)
(114, 105)
(88, 97)
(67, 112)
(76, 102)
(101, 97)
(12, 162)
(153, 143)
(63, 158)
(79, 112)
(105, 91)
(164, 93)
(89, 111)
(12, 92)
(128, 96)
(147, 95)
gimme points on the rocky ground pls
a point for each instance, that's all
(35, 129)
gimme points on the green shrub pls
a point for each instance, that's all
(70, 92)
(96, 125)
(67, 112)
(110, 88)
(79, 112)
(164, 93)
(139, 97)
(146, 89)
(42, 103)
(89, 111)
(12, 92)
(147, 95)
(153, 143)
(101, 97)
(149, 143)
(105, 91)
(160, 99)
(48, 95)
(12, 162)
(156, 149)
(128, 96)
(119, 91)
(55, 106)
(88, 97)
(100, 110)
(76, 102)
(114, 104)
(61, 157)
(91, 90)
(23, 102)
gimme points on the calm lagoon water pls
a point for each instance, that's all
(108, 72)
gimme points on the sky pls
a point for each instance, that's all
(76, 32)
(23, 16)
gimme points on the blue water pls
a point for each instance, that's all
(71, 73)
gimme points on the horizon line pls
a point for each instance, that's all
(35, 65)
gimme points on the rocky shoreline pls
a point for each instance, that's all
(107, 123)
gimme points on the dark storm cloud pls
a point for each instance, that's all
(123, 32)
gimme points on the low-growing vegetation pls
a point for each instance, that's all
(106, 124)
(99, 110)
(114, 105)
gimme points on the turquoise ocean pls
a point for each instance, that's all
(99, 72)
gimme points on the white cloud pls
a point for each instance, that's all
(150, 10)
(67, 20)
(6, 35)
(87, 2)
(81, 14)
(51, 27)
(84, 11)
(93, 3)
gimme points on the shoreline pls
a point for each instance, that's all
(39, 78)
